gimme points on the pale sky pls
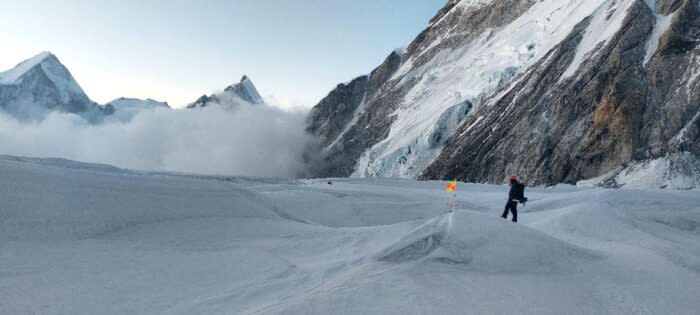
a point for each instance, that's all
(295, 51)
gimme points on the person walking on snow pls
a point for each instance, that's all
(516, 193)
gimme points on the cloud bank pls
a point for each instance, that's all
(230, 139)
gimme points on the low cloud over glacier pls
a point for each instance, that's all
(233, 138)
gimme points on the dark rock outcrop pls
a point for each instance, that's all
(336, 120)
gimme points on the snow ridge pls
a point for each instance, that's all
(14, 75)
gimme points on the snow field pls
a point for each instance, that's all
(83, 239)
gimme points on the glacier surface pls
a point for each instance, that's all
(81, 238)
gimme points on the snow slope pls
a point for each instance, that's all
(474, 71)
(674, 171)
(93, 239)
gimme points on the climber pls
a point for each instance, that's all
(515, 195)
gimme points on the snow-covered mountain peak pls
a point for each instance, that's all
(246, 90)
(124, 102)
(47, 64)
(14, 75)
(41, 84)
(126, 109)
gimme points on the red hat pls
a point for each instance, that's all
(513, 177)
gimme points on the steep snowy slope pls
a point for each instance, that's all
(94, 239)
(42, 84)
(475, 55)
(244, 90)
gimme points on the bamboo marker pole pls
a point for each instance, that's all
(452, 188)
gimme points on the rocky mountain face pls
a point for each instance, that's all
(554, 91)
(624, 104)
(42, 84)
(244, 90)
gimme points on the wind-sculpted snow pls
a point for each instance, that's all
(422, 242)
(77, 201)
(94, 239)
(481, 243)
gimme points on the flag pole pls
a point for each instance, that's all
(454, 201)
(452, 188)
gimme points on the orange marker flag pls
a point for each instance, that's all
(451, 186)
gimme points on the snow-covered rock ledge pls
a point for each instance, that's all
(674, 171)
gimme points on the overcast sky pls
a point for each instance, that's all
(295, 51)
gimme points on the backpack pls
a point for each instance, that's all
(520, 192)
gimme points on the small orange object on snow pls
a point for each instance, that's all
(451, 186)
